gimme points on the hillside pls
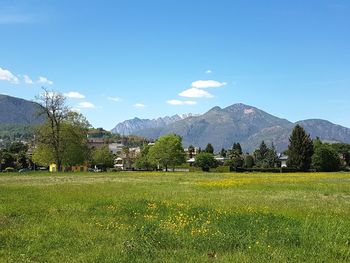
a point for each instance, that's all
(18, 111)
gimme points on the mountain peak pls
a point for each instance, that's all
(216, 109)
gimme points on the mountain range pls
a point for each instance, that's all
(219, 126)
(236, 123)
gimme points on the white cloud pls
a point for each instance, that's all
(74, 95)
(195, 93)
(139, 105)
(181, 102)
(209, 71)
(8, 76)
(44, 80)
(116, 99)
(203, 84)
(86, 105)
(28, 80)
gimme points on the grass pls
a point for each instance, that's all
(175, 217)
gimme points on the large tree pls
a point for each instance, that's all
(325, 158)
(103, 157)
(143, 161)
(55, 110)
(261, 155)
(300, 149)
(168, 151)
(62, 139)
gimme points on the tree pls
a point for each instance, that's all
(223, 153)
(236, 159)
(168, 151)
(143, 161)
(103, 157)
(300, 149)
(72, 146)
(237, 148)
(7, 160)
(17, 147)
(272, 158)
(343, 150)
(261, 155)
(205, 161)
(326, 159)
(55, 109)
(209, 148)
(43, 155)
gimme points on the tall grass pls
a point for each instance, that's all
(167, 217)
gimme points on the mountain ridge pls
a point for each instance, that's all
(245, 124)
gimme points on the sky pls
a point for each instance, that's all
(120, 59)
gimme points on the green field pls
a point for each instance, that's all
(175, 217)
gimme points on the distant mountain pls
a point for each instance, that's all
(133, 126)
(237, 123)
(18, 111)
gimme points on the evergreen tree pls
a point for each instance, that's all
(209, 148)
(272, 157)
(300, 149)
(237, 148)
(223, 153)
(261, 155)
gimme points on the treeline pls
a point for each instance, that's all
(303, 154)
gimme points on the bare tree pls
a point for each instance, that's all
(55, 109)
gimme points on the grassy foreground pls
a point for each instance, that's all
(175, 217)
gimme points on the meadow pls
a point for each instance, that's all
(175, 217)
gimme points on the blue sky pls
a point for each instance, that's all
(119, 59)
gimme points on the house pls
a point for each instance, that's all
(283, 159)
(116, 147)
(191, 154)
(126, 158)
